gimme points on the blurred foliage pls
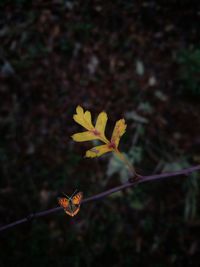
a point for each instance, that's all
(117, 57)
(189, 61)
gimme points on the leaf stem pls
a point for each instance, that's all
(124, 159)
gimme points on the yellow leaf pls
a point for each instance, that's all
(84, 136)
(98, 151)
(101, 123)
(84, 119)
(98, 132)
(119, 130)
(87, 117)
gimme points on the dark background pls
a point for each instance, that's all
(134, 59)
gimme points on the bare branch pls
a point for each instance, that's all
(130, 183)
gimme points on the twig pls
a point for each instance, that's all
(131, 183)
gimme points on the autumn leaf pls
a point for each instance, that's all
(97, 132)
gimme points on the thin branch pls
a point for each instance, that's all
(130, 183)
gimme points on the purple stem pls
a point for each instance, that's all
(141, 179)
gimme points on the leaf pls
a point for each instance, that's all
(136, 117)
(135, 154)
(84, 136)
(84, 119)
(115, 166)
(97, 151)
(146, 107)
(119, 130)
(101, 123)
(160, 95)
(175, 166)
(98, 132)
(139, 68)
